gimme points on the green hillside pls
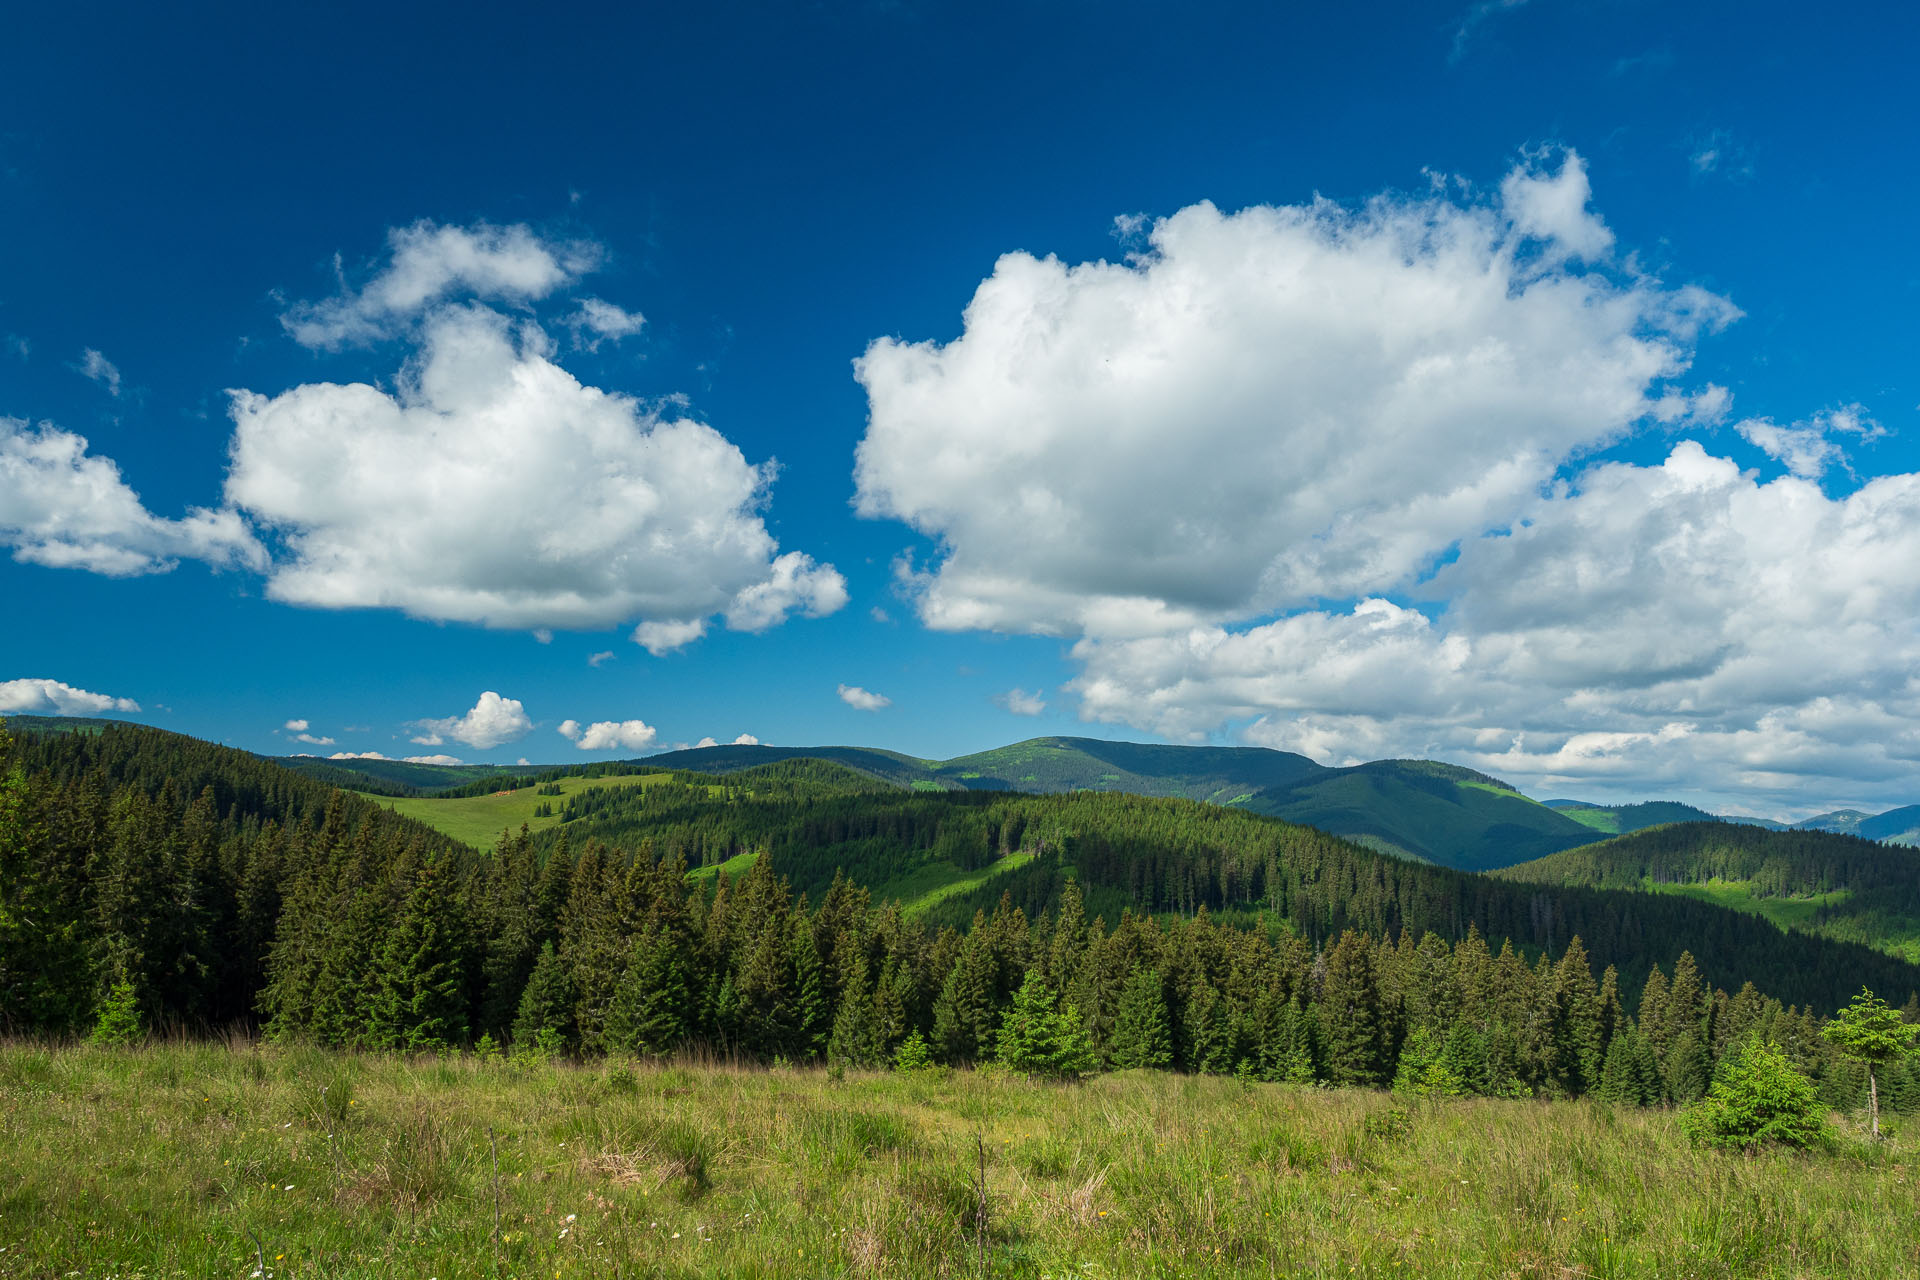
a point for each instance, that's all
(1435, 812)
(1417, 809)
(1622, 819)
(1816, 882)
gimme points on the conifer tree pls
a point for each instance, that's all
(650, 1006)
(545, 1013)
(420, 1002)
(119, 1023)
(964, 1015)
(1871, 1033)
(1040, 1037)
(1141, 1037)
(1349, 1013)
(1688, 1070)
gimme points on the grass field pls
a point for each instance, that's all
(1788, 913)
(241, 1161)
(479, 820)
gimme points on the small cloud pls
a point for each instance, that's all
(746, 740)
(521, 760)
(543, 634)
(18, 347)
(1021, 703)
(493, 721)
(596, 321)
(358, 755)
(597, 659)
(431, 759)
(296, 726)
(706, 742)
(862, 700)
(40, 696)
(609, 735)
(311, 740)
(100, 369)
(662, 638)
(879, 615)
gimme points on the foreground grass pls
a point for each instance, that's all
(205, 1160)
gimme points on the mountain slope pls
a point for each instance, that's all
(1621, 819)
(1409, 808)
(1818, 882)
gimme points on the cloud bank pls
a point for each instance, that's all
(1312, 477)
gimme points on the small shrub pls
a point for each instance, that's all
(913, 1053)
(119, 1022)
(1758, 1099)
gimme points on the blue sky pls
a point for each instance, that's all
(1568, 437)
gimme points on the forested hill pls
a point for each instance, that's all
(950, 854)
(1419, 809)
(1817, 882)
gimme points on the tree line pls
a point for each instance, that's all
(207, 888)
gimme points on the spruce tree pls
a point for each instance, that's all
(649, 1013)
(1349, 1007)
(1141, 1037)
(545, 1015)
(1040, 1037)
(420, 1002)
(1871, 1033)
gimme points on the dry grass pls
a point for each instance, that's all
(172, 1160)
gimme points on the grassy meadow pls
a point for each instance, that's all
(211, 1160)
(479, 820)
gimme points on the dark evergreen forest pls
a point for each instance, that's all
(214, 889)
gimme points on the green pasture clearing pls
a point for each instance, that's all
(479, 820)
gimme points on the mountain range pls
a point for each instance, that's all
(1420, 809)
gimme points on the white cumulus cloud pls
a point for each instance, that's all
(861, 699)
(1262, 409)
(491, 487)
(1682, 626)
(64, 507)
(313, 739)
(609, 735)
(42, 697)
(296, 726)
(492, 721)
